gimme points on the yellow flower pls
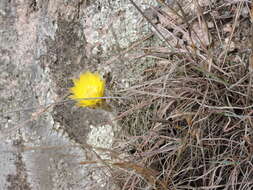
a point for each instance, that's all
(88, 85)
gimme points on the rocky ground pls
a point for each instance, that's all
(183, 73)
(43, 45)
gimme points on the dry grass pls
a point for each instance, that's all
(190, 120)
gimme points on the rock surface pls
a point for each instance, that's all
(43, 44)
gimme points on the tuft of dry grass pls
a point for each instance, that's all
(190, 120)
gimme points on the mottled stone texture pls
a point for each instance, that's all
(42, 46)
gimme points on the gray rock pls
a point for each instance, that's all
(42, 47)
